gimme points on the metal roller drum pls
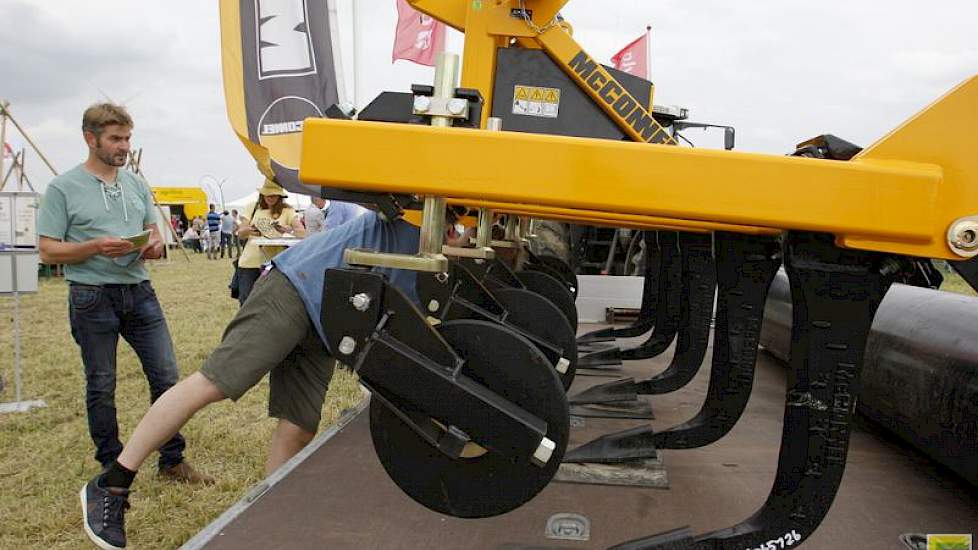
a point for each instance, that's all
(920, 380)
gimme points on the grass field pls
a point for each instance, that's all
(46, 455)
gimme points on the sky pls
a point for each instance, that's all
(780, 72)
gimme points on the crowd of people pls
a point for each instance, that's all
(218, 233)
(201, 235)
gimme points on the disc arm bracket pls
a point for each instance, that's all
(373, 327)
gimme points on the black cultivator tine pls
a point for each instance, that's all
(695, 314)
(650, 298)
(835, 294)
(746, 265)
(669, 297)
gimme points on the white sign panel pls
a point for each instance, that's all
(18, 220)
(6, 220)
(18, 272)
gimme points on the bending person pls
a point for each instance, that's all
(278, 332)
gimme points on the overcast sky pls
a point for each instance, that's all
(778, 71)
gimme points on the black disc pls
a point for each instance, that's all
(563, 269)
(553, 273)
(541, 318)
(553, 290)
(490, 484)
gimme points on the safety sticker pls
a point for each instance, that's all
(536, 101)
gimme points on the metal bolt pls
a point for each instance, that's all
(544, 452)
(457, 106)
(442, 277)
(422, 103)
(562, 365)
(963, 237)
(494, 124)
(433, 306)
(966, 236)
(347, 345)
(361, 302)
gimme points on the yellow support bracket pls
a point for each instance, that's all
(490, 24)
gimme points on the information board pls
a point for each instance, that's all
(18, 219)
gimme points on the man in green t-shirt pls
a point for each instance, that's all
(96, 218)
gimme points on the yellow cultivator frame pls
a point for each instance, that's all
(915, 192)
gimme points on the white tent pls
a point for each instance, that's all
(243, 202)
(297, 201)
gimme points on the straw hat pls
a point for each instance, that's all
(271, 188)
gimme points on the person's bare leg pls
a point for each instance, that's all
(287, 440)
(167, 415)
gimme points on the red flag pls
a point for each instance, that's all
(418, 37)
(634, 58)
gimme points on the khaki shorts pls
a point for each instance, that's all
(272, 333)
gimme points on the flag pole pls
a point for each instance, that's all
(648, 51)
(356, 54)
(3, 136)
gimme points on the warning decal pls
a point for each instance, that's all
(536, 101)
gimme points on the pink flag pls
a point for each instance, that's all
(7, 151)
(634, 58)
(419, 37)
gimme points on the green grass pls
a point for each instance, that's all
(46, 455)
(954, 283)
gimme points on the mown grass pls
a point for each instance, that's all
(954, 283)
(46, 454)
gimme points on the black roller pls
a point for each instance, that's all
(493, 483)
(553, 290)
(920, 379)
(541, 318)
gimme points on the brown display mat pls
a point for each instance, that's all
(338, 496)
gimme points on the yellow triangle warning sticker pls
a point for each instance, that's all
(537, 95)
(552, 97)
(521, 93)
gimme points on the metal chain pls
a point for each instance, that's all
(533, 26)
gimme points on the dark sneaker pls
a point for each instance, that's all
(185, 473)
(104, 514)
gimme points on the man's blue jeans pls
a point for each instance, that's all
(99, 315)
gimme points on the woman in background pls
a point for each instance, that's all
(271, 218)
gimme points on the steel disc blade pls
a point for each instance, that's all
(562, 267)
(540, 317)
(571, 285)
(553, 290)
(490, 484)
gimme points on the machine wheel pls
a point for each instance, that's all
(553, 290)
(541, 318)
(490, 484)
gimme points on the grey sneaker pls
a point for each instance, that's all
(104, 514)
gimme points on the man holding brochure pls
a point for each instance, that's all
(100, 220)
